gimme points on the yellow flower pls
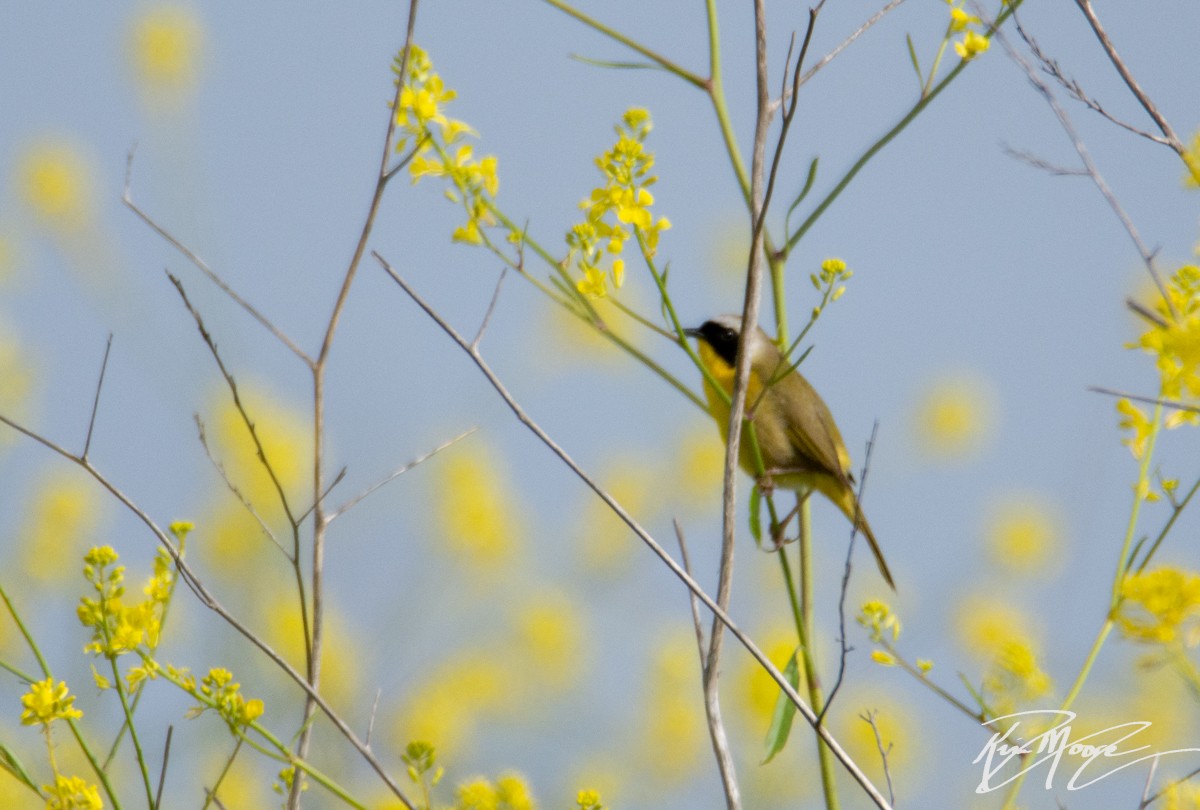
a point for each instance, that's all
(476, 510)
(16, 382)
(1024, 534)
(1191, 159)
(955, 416)
(959, 19)
(1014, 678)
(1175, 342)
(883, 658)
(165, 46)
(1161, 606)
(66, 510)
(1139, 425)
(971, 45)
(879, 619)
(589, 800)
(72, 793)
(594, 283)
(56, 183)
(551, 639)
(512, 793)
(45, 703)
(984, 624)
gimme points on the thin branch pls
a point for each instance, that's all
(162, 775)
(883, 753)
(1036, 162)
(712, 710)
(337, 479)
(202, 434)
(1145, 799)
(1147, 104)
(487, 318)
(206, 598)
(862, 29)
(341, 510)
(1186, 778)
(849, 566)
(1166, 403)
(96, 401)
(195, 259)
(1081, 149)
(778, 677)
(259, 449)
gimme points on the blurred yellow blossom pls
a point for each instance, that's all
(757, 688)
(55, 180)
(1161, 606)
(1181, 795)
(342, 657)
(1191, 159)
(701, 464)
(165, 44)
(955, 416)
(899, 734)
(1174, 340)
(550, 632)
(1014, 678)
(879, 620)
(286, 438)
(16, 384)
(984, 624)
(1024, 534)
(453, 698)
(65, 512)
(477, 512)
(971, 45)
(672, 716)
(606, 545)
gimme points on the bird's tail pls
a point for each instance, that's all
(843, 496)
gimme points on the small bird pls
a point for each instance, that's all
(800, 444)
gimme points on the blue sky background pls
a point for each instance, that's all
(964, 258)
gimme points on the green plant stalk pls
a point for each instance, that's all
(1114, 604)
(815, 697)
(1167, 528)
(133, 736)
(75, 732)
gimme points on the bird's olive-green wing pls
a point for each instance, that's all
(813, 432)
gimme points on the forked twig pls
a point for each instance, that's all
(883, 753)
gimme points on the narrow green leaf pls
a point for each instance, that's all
(808, 184)
(916, 63)
(785, 711)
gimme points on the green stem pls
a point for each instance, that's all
(815, 696)
(118, 685)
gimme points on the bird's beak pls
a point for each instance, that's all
(692, 332)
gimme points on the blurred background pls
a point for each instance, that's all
(486, 597)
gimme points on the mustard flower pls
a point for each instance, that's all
(1161, 606)
(971, 45)
(45, 703)
(72, 793)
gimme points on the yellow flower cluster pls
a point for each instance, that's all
(118, 628)
(1175, 341)
(589, 800)
(44, 703)
(1191, 159)
(72, 793)
(879, 620)
(1161, 606)
(612, 209)
(973, 43)
(225, 695)
(439, 152)
(1014, 678)
(508, 793)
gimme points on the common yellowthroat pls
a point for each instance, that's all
(800, 444)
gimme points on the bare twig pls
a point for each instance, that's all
(1081, 149)
(1166, 403)
(337, 479)
(87, 443)
(487, 318)
(862, 29)
(162, 776)
(778, 677)
(374, 714)
(712, 710)
(1147, 104)
(341, 510)
(1185, 778)
(849, 566)
(195, 259)
(883, 752)
(1145, 798)
(1040, 163)
(259, 449)
(202, 434)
